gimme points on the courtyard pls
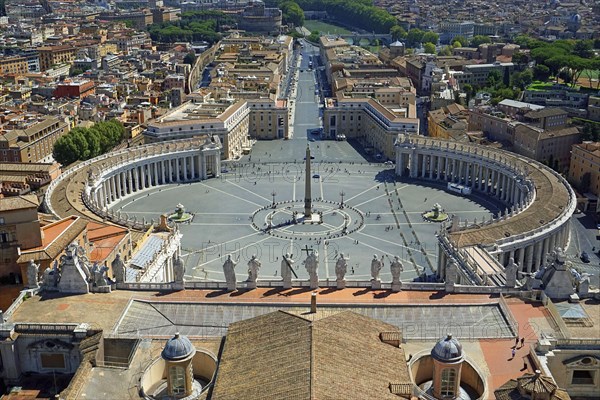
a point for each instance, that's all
(249, 211)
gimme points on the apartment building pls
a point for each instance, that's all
(450, 122)
(32, 141)
(13, 65)
(584, 169)
(55, 55)
(477, 74)
(542, 135)
(369, 120)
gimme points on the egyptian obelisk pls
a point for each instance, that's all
(307, 193)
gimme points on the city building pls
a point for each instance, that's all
(235, 122)
(584, 173)
(51, 56)
(19, 229)
(369, 120)
(32, 141)
(13, 65)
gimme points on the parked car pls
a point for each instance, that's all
(585, 257)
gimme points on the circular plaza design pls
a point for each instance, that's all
(515, 207)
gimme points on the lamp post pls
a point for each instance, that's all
(342, 194)
(273, 193)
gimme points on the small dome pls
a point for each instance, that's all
(447, 350)
(178, 348)
(575, 18)
(397, 43)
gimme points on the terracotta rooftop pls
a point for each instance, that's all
(55, 237)
(322, 366)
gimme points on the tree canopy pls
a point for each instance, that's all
(429, 48)
(85, 143)
(357, 13)
(193, 26)
(480, 39)
(292, 13)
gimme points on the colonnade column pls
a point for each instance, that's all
(539, 247)
(194, 166)
(521, 258)
(529, 258)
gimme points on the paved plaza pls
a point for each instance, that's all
(467, 321)
(380, 215)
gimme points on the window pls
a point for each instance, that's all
(52, 360)
(448, 382)
(582, 377)
(177, 377)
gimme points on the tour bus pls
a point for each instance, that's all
(460, 189)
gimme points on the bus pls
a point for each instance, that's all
(460, 189)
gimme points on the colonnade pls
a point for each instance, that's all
(161, 170)
(487, 177)
(500, 175)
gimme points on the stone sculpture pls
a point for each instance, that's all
(178, 268)
(229, 271)
(396, 269)
(312, 267)
(376, 266)
(286, 270)
(253, 267)
(118, 269)
(99, 275)
(32, 275)
(511, 273)
(341, 267)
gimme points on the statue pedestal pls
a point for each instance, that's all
(396, 287)
(314, 283)
(250, 284)
(287, 285)
(375, 284)
(341, 283)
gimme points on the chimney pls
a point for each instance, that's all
(313, 302)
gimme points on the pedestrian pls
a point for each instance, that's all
(522, 341)
(513, 352)
(516, 341)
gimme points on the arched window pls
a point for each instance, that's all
(177, 378)
(448, 382)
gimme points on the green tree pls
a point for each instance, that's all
(460, 39)
(494, 78)
(521, 79)
(429, 48)
(430, 37)
(79, 139)
(414, 37)
(445, 51)
(584, 48)
(190, 58)
(292, 13)
(520, 58)
(398, 32)
(541, 72)
(64, 150)
(480, 39)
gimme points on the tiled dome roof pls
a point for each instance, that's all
(447, 350)
(178, 348)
